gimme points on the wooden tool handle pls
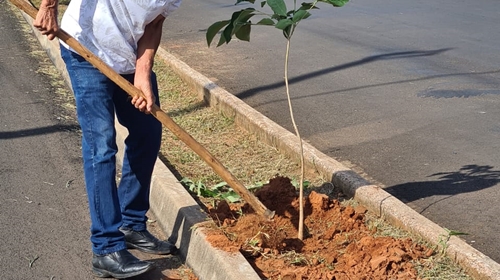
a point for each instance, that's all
(159, 114)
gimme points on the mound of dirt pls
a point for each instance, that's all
(337, 244)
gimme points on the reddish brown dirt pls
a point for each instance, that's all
(337, 244)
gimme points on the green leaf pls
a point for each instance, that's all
(244, 15)
(186, 181)
(335, 3)
(238, 25)
(278, 6)
(220, 185)
(306, 184)
(222, 40)
(200, 188)
(284, 23)
(227, 34)
(262, 4)
(231, 196)
(296, 183)
(235, 24)
(256, 186)
(300, 15)
(243, 33)
(214, 29)
(207, 193)
(308, 6)
(288, 31)
(277, 17)
(265, 21)
(243, 21)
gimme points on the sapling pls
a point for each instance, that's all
(287, 21)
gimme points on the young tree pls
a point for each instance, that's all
(287, 21)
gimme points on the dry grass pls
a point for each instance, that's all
(243, 155)
(250, 160)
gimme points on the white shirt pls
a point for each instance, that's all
(111, 28)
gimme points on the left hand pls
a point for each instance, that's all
(46, 19)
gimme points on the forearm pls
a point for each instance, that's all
(52, 4)
(146, 50)
(148, 45)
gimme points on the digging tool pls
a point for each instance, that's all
(159, 114)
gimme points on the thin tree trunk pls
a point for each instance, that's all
(301, 181)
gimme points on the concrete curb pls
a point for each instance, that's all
(176, 211)
(182, 219)
(178, 214)
(373, 197)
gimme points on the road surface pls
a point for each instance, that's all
(405, 92)
(45, 225)
(43, 206)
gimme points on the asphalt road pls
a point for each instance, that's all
(43, 205)
(404, 92)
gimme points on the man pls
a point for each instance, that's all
(125, 34)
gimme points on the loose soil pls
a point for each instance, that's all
(337, 243)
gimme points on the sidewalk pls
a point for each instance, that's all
(178, 213)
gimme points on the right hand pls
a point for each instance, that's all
(142, 81)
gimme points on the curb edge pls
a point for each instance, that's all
(377, 200)
(374, 198)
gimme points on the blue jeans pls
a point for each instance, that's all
(97, 101)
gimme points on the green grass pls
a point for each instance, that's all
(252, 161)
(240, 152)
(249, 160)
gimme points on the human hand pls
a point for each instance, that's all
(46, 19)
(144, 103)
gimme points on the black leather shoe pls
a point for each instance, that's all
(121, 264)
(146, 242)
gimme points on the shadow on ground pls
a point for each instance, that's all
(469, 178)
(321, 72)
(38, 131)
